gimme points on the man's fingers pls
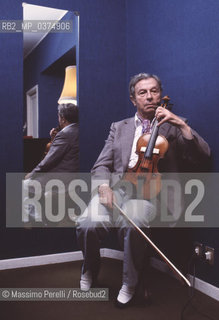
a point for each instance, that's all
(103, 199)
(162, 120)
(106, 201)
(159, 123)
(106, 196)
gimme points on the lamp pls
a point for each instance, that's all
(69, 91)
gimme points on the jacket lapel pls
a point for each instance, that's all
(127, 136)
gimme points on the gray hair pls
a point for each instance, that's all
(68, 111)
(138, 77)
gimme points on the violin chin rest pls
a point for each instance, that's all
(155, 150)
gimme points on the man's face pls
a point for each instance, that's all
(147, 97)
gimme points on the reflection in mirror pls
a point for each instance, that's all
(46, 56)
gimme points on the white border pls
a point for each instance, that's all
(6, 264)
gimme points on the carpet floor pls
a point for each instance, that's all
(168, 296)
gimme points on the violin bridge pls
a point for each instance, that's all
(155, 150)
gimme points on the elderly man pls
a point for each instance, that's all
(62, 157)
(63, 153)
(116, 157)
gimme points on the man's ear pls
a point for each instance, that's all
(133, 100)
(62, 120)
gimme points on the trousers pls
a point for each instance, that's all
(95, 224)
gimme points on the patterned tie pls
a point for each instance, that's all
(146, 125)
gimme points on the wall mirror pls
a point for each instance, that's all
(48, 49)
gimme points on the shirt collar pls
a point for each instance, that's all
(138, 121)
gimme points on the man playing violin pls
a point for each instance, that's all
(63, 154)
(119, 155)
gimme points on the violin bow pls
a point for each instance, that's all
(162, 255)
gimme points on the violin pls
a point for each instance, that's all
(150, 149)
(54, 133)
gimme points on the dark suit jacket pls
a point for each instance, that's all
(63, 155)
(182, 154)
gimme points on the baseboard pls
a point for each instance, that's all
(40, 260)
(205, 287)
(200, 285)
(111, 253)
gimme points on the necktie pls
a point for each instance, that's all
(146, 125)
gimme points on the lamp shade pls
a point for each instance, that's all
(69, 91)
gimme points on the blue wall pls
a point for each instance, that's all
(178, 41)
